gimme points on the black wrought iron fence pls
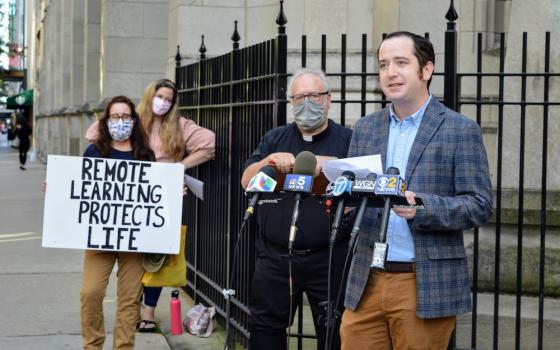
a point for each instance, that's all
(518, 102)
(242, 94)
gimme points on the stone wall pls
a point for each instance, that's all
(96, 49)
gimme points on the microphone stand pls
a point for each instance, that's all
(228, 292)
(357, 223)
(355, 230)
(385, 219)
(293, 231)
(293, 227)
(332, 314)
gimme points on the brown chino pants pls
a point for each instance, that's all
(97, 269)
(386, 318)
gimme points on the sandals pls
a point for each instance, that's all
(147, 326)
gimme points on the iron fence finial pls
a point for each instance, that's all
(451, 14)
(281, 20)
(178, 57)
(235, 37)
(202, 48)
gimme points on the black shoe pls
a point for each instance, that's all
(22, 167)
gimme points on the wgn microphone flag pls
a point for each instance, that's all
(264, 181)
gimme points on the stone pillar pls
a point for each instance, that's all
(65, 54)
(77, 72)
(52, 45)
(92, 39)
(133, 46)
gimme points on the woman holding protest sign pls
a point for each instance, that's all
(121, 135)
(171, 137)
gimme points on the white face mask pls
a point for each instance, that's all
(160, 106)
(120, 130)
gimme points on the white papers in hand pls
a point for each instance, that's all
(360, 166)
(195, 186)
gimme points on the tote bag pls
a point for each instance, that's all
(173, 273)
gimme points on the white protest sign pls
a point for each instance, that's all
(115, 205)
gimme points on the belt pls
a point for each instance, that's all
(397, 266)
(303, 252)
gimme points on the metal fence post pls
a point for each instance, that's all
(234, 153)
(281, 68)
(177, 65)
(202, 48)
(450, 85)
(450, 72)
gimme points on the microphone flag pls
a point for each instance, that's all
(261, 183)
(298, 183)
(341, 186)
(390, 185)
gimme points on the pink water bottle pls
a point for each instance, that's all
(175, 313)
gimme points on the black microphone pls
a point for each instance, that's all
(299, 182)
(264, 181)
(364, 188)
(388, 186)
(341, 189)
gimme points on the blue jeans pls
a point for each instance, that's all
(151, 296)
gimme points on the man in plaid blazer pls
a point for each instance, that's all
(412, 303)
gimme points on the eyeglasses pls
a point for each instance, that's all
(124, 117)
(315, 97)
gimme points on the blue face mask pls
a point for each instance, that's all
(309, 115)
(120, 130)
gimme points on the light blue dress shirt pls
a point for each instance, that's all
(401, 137)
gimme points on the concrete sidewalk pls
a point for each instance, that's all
(40, 286)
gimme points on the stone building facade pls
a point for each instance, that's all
(83, 52)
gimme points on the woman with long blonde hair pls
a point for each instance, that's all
(170, 136)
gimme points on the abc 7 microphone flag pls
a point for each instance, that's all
(340, 186)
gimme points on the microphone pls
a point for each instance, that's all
(388, 186)
(299, 182)
(264, 181)
(364, 188)
(341, 188)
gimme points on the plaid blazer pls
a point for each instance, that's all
(448, 169)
